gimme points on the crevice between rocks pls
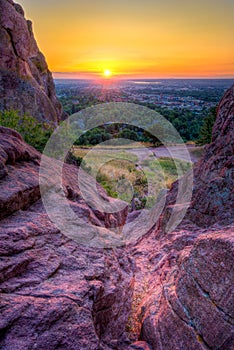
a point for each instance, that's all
(12, 41)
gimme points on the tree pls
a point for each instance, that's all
(205, 135)
(128, 134)
(93, 137)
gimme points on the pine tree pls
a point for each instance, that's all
(205, 135)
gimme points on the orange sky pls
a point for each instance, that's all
(135, 38)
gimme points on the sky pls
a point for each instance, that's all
(135, 38)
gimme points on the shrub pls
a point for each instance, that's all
(34, 133)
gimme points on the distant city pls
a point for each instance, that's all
(184, 102)
(190, 94)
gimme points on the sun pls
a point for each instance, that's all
(107, 73)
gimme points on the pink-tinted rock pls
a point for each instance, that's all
(12, 148)
(213, 196)
(183, 294)
(19, 186)
(189, 301)
(26, 82)
(54, 292)
(213, 185)
(139, 345)
(46, 323)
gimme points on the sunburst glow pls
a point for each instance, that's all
(107, 73)
(140, 39)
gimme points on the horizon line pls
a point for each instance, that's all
(90, 76)
(142, 78)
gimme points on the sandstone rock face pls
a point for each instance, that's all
(26, 82)
(54, 292)
(185, 290)
(183, 295)
(214, 181)
(213, 195)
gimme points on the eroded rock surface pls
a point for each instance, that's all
(54, 292)
(183, 295)
(26, 82)
(214, 176)
(213, 182)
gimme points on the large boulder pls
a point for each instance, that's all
(26, 82)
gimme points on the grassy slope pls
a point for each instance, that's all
(122, 175)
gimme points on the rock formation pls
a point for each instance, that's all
(167, 291)
(54, 293)
(183, 295)
(26, 83)
(214, 173)
(213, 196)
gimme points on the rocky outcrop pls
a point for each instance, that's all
(15, 157)
(183, 295)
(214, 182)
(26, 83)
(54, 292)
